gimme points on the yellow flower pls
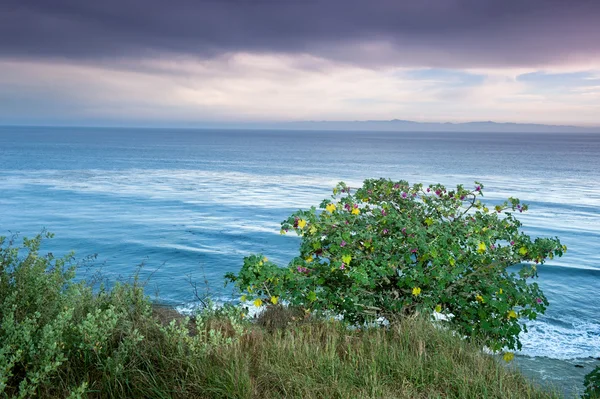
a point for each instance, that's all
(523, 251)
(309, 259)
(508, 356)
(301, 223)
(346, 259)
(282, 232)
(274, 300)
(438, 308)
(265, 259)
(243, 298)
(501, 292)
(512, 314)
(330, 208)
(481, 247)
(416, 291)
(258, 302)
(486, 210)
(479, 299)
(355, 211)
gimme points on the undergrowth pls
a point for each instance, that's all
(59, 338)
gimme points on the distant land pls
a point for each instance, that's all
(394, 125)
(398, 125)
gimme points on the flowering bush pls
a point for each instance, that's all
(390, 249)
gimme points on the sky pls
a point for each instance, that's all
(192, 62)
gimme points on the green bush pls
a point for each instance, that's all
(51, 325)
(59, 338)
(592, 384)
(389, 249)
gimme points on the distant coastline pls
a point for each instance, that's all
(412, 126)
(394, 125)
(397, 125)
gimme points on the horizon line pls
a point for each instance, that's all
(272, 125)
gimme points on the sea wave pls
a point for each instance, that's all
(571, 340)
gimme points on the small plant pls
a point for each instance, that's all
(389, 249)
(592, 384)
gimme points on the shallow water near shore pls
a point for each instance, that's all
(195, 202)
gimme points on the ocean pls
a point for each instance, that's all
(190, 204)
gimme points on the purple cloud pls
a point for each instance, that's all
(433, 33)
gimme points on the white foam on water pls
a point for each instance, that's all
(237, 188)
(190, 308)
(187, 186)
(577, 340)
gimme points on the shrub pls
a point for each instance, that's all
(59, 338)
(51, 325)
(592, 384)
(389, 249)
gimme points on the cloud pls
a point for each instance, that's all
(428, 33)
(246, 87)
(194, 61)
(572, 83)
(240, 87)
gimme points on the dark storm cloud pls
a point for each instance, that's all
(417, 32)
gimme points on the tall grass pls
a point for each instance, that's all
(60, 339)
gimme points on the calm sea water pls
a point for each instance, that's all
(195, 202)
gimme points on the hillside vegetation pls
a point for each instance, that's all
(59, 338)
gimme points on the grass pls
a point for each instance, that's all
(321, 359)
(58, 338)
